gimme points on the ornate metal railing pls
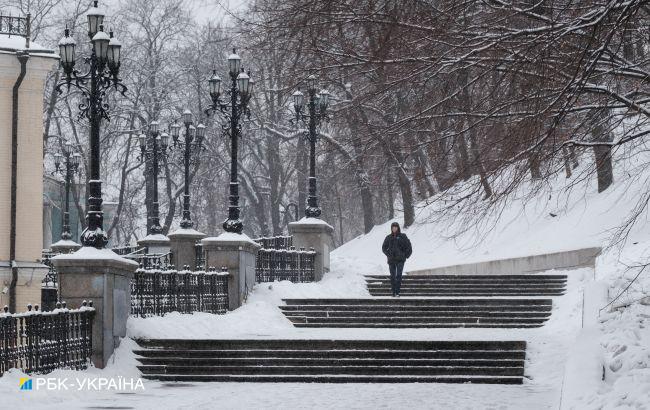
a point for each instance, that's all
(50, 283)
(127, 250)
(152, 260)
(275, 242)
(19, 26)
(39, 342)
(200, 256)
(285, 264)
(155, 292)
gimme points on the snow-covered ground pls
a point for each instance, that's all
(260, 318)
(564, 361)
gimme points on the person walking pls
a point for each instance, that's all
(397, 249)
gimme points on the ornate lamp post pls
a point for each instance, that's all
(240, 92)
(102, 74)
(70, 161)
(193, 143)
(317, 113)
(151, 149)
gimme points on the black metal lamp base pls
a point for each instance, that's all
(96, 238)
(312, 212)
(233, 225)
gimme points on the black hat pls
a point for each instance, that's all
(394, 224)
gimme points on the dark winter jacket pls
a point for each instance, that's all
(397, 247)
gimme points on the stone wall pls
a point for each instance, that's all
(29, 193)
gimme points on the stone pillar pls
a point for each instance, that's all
(237, 252)
(65, 246)
(314, 233)
(183, 247)
(158, 244)
(104, 277)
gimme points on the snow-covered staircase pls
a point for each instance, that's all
(471, 285)
(418, 313)
(333, 361)
(441, 301)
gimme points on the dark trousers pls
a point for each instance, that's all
(396, 276)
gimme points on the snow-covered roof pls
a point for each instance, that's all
(13, 43)
(155, 238)
(230, 237)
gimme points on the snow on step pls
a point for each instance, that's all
(418, 313)
(470, 285)
(333, 361)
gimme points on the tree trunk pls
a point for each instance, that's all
(603, 157)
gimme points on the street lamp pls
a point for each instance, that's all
(102, 74)
(152, 147)
(67, 164)
(317, 113)
(241, 89)
(193, 143)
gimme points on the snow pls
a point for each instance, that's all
(154, 238)
(65, 243)
(187, 232)
(310, 221)
(229, 237)
(17, 43)
(88, 252)
(583, 218)
(590, 328)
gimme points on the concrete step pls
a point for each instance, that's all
(328, 361)
(471, 289)
(532, 277)
(422, 302)
(366, 370)
(482, 287)
(424, 325)
(431, 320)
(335, 379)
(554, 282)
(333, 361)
(336, 354)
(415, 309)
(415, 313)
(325, 344)
(417, 293)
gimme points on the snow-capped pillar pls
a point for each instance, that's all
(183, 247)
(65, 246)
(314, 233)
(104, 277)
(155, 244)
(238, 253)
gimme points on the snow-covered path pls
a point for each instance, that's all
(260, 318)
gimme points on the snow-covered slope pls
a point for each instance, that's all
(566, 214)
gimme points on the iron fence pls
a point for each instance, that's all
(15, 25)
(275, 242)
(50, 283)
(128, 250)
(155, 292)
(285, 264)
(39, 342)
(152, 260)
(200, 256)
